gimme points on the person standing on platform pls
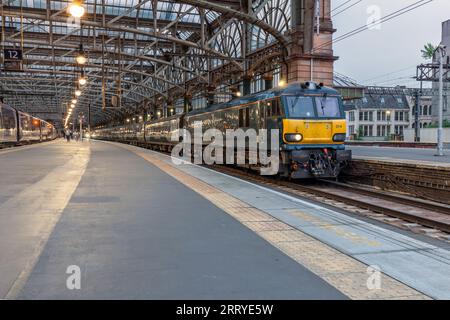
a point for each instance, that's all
(67, 134)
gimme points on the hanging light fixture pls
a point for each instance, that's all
(74, 101)
(77, 91)
(81, 56)
(76, 9)
(82, 80)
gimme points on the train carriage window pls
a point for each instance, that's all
(273, 108)
(276, 108)
(269, 109)
(241, 117)
(247, 117)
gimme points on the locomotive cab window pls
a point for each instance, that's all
(328, 107)
(300, 107)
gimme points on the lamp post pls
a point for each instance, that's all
(388, 116)
(81, 116)
(440, 143)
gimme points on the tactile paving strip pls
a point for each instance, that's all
(345, 273)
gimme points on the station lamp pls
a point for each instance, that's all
(282, 83)
(76, 9)
(82, 80)
(74, 101)
(81, 56)
(78, 92)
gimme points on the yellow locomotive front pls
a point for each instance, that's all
(313, 132)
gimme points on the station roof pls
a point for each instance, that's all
(141, 51)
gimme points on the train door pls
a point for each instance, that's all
(253, 113)
(272, 116)
(2, 128)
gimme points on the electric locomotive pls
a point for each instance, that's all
(308, 116)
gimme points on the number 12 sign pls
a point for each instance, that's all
(12, 54)
(12, 59)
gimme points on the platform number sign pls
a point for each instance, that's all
(12, 59)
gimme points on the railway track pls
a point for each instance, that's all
(415, 213)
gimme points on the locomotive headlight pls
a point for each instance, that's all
(297, 137)
(339, 137)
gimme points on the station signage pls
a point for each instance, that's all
(12, 60)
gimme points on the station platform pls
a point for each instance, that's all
(425, 156)
(141, 227)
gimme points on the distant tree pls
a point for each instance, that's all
(445, 124)
(359, 134)
(428, 51)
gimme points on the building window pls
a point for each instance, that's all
(366, 131)
(399, 130)
(383, 131)
(351, 116)
(401, 116)
(382, 116)
(366, 116)
(351, 129)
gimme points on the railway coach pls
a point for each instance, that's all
(17, 127)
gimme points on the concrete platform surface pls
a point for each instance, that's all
(134, 232)
(397, 154)
(140, 227)
(421, 265)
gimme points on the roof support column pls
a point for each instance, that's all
(310, 50)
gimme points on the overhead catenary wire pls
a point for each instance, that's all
(394, 79)
(341, 5)
(365, 27)
(347, 8)
(390, 73)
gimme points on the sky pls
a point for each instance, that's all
(388, 56)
